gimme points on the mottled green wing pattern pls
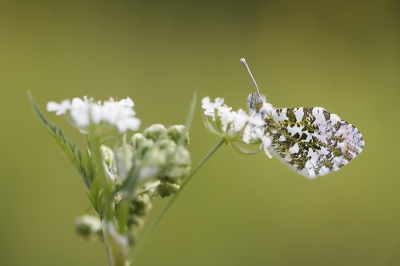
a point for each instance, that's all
(312, 141)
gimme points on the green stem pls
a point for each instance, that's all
(158, 218)
(101, 179)
(104, 201)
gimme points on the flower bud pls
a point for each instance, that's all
(107, 155)
(136, 140)
(141, 204)
(155, 160)
(139, 207)
(88, 226)
(175, 132)
(109, 164)
(140, 144)
(178, 166)
(124, 159)
(165, 189)
(155, 132)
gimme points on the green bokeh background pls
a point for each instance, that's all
(238, 210)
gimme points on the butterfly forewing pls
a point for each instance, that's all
(312, 140)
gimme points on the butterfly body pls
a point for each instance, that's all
(311, 140)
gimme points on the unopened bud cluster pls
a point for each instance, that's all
(122, 180)
(159, 153)
(160, 160)
(138, 209)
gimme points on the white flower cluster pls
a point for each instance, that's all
(119, 114)
(233, 122)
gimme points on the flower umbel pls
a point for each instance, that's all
(235, 125)
(107, 114)
(122, 181)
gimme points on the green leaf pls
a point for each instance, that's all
(189, 119)
(80, 158)
(105, 140)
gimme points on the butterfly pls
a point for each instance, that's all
(310, 140)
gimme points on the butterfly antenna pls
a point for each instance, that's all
(248, 70)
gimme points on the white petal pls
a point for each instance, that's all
(209, 112)
(60, 109)
(77, 103)
(246, 134)
(96, 113)
(267, 143)
(126, 102)
(131, 123)
(207, 104)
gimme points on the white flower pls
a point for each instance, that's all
(231, 122)
(60, 109)
(253, 134)
(253, 131)
(121, 114)
(207, 104)
(266, 140)
(209, 107)
(126, 102)
(82, 112)
(256, 120)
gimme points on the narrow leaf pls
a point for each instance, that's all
(80, 159)
(189, 119)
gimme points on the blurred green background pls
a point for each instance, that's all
(238, 210)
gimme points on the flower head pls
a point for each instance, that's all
(228, 122)
(209, 107)
(235, 125)
(84, 111)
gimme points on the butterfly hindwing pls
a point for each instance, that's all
(312, 141)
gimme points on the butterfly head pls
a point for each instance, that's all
(255, 101)
(257, 104)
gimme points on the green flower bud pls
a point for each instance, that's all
(140, 144)
(175, 132)
(109, 163)
(141, 205)
(124, 159)
(165, 189)
(166, 144)
(176, 174)
(107, 155)
(155, 132)
(181, 156)
(88, 226)
(154, 161)
(178, 166)
(136, 140)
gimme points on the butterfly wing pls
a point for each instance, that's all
(312, 141)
